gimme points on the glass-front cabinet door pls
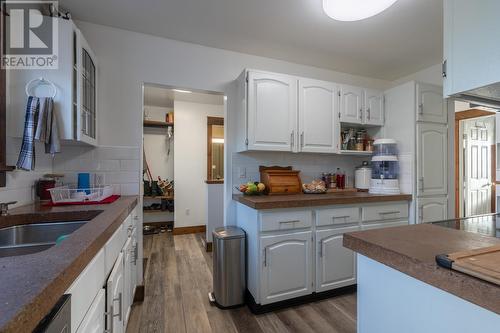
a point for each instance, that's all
(88, 94)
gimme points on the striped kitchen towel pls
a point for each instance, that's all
(26, 160)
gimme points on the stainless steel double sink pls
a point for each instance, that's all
(32, 238)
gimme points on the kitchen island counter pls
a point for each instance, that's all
(384, 254)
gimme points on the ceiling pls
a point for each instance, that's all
(404, 39)
(155, 95)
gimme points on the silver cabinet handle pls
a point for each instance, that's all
(292, 136)
(321, 248)
(287, 222)
(341, 217)
(110, 316)
(361, 114)
(421, 181)
(388, 213)
(120, 303)
(136, 253)
(368, 116)
(421, 108)
(302, 139)
(265, 257)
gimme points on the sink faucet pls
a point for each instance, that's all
(4, 207)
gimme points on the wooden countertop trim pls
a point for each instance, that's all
(412, 249)
(312, 200)
(30, 285)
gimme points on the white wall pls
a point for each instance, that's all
(190, 161)
(431, 75)
(127, 59)
(156, 145)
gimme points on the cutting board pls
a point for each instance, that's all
(483, 263)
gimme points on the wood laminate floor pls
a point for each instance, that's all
(178, 277)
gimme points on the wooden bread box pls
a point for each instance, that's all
(280, 180)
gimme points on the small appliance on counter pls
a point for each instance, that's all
(43, 185)
(362, 176)
(385, 167)
(280, 180)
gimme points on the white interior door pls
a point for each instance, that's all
(478, 136)
(317, 116)
(272, 112)
(432, 159)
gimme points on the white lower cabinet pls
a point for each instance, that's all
(335, 264)
(102, 295)
(114, 298)
(94, 321)
(432, 209)
(286, 266)
(298, 252)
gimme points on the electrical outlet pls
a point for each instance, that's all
(188, 211)
(243, 172)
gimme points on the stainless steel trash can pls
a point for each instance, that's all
(229, 267)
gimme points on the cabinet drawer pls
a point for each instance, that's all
(114, 246)
(85, 288)
(345, 215)
(285, 220)
(393, 211)
(371, 226)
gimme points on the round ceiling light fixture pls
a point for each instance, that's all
(355, 10)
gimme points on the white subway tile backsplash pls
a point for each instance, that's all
(310, 165)
(120, 166)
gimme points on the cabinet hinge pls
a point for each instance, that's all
(444, 68)
(246, 142)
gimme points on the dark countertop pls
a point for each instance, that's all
(312, 200)
(412, 250)
(30, 285)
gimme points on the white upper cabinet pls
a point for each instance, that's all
(430, 104)
(287, 266)
(75, 103)
(87, 97)
(432, 164)
(374, 107)
(279, 112)
(317, 116)
(272, 112)
(471, 46)
(351, 104)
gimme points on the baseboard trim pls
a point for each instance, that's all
(260, 309)
(189, 230)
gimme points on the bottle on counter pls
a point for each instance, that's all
(340, 179)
